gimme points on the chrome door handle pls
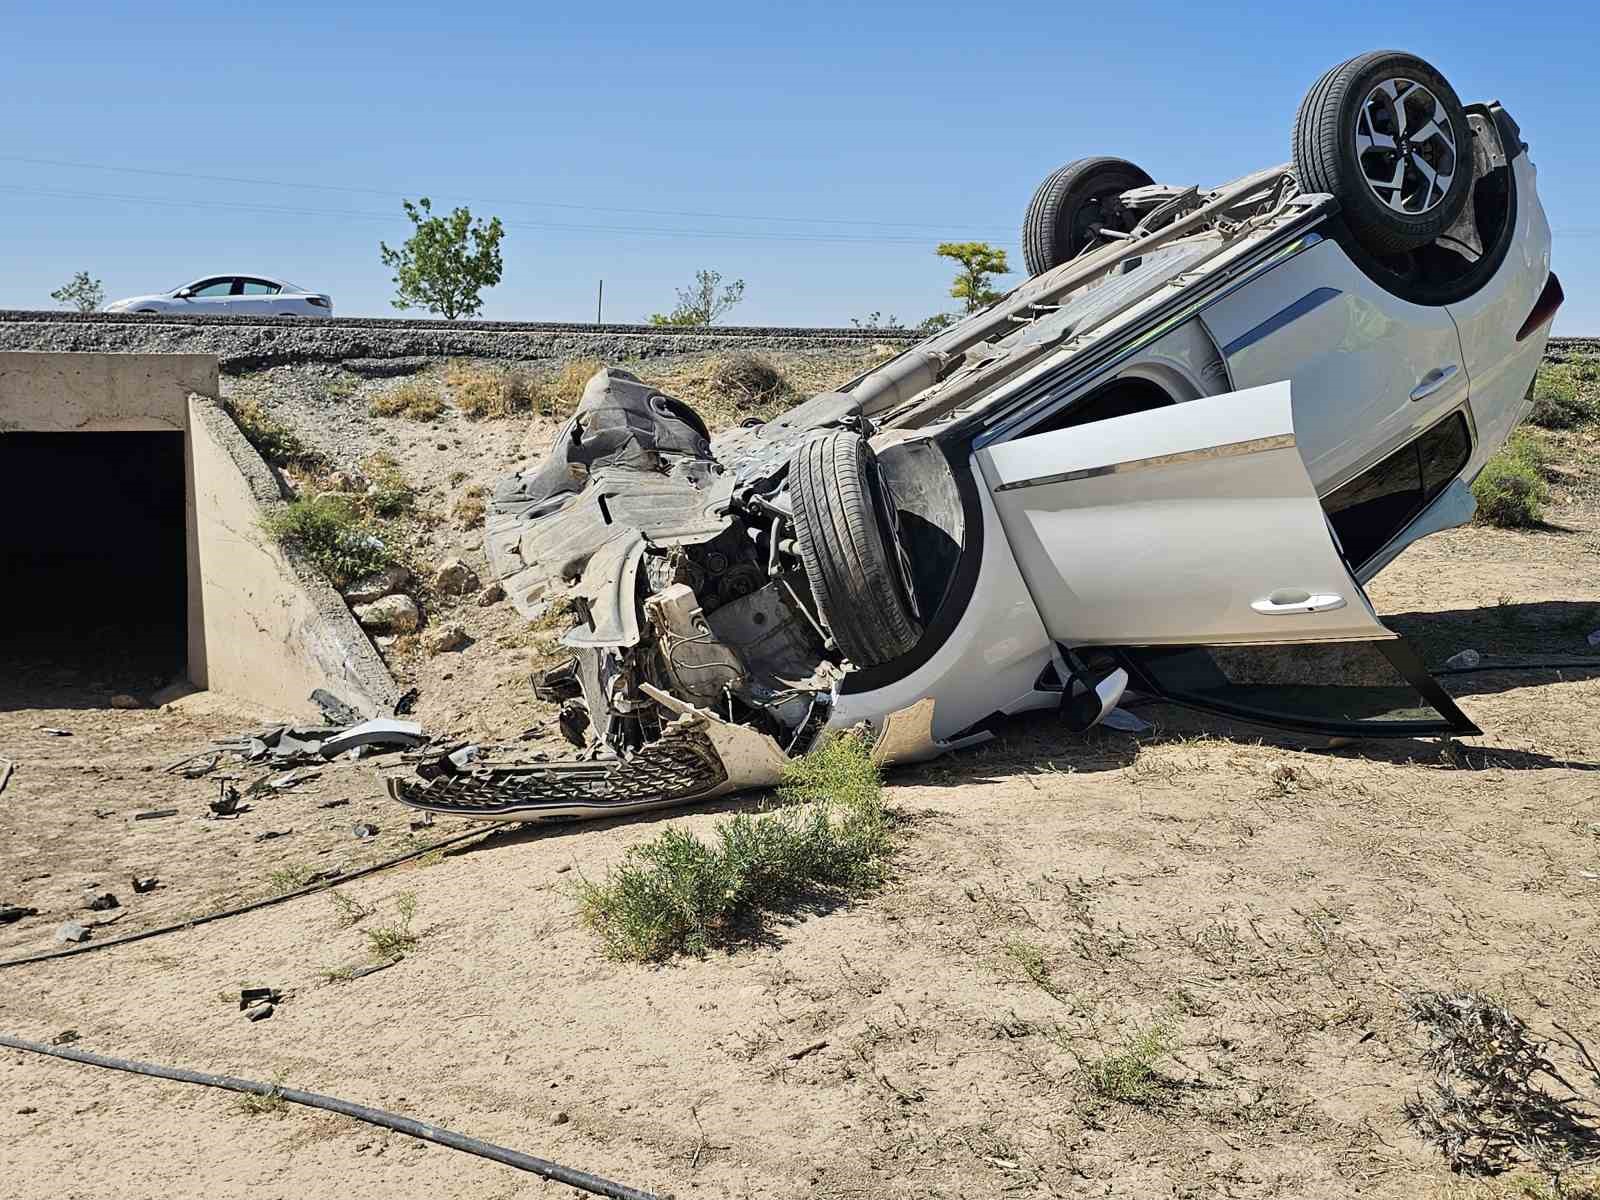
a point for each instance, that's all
(1287, 601)
(1433, 381)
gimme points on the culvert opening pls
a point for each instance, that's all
(92, 535)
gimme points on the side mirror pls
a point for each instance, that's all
(183, 293)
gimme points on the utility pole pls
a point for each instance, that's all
(599, 300)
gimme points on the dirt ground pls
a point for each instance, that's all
(1051, 895)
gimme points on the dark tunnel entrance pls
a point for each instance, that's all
(95, 551)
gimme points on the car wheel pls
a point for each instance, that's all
(1061, 217)
(1386, 135)
(853, 568)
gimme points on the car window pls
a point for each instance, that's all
(259, 287)
(211, 288)
(1386, 497)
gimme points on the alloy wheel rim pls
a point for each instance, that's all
(1406, 146)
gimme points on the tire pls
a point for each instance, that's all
(1056, 226)
(850, 564)
(1373, 98)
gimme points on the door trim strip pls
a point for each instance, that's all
(1278, 441)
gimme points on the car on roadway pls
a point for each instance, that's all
(1165, 464)
(231, 296)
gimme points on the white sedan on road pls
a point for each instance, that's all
(231, 296)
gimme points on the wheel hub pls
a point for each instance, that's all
(1406, 146)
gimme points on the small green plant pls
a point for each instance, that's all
(1563, 397)
(272, 439)
(349, 910)
(272, 1104)
(1510, 490)
(342, 974)
(390, 495)
(1030, 961)
(417, 399)
(290, 878)
(396, 938)
(1129, 1076)
(332, 534)
(703, 301)
(677, 894)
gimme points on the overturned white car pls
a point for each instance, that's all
(1167, 461)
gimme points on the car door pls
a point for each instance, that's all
(1370, 370)
(1189, 544)
(210, 295)
(257, 297)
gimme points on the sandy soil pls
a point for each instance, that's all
(1274, 903)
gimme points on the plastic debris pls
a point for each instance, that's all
(7, 767)
(365, 830)
(71, 931)
(100, 901)
(1123, 720)
(153, 814)
(145, 883)
(15, 912)
(382, 731)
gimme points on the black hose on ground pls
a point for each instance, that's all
(268, 902)
(1592, 664)
(372, 1116)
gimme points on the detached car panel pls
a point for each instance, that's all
(1165, 462)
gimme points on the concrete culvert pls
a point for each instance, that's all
(134, 553)
(94, 539)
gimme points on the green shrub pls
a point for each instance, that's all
(677, 894)
(1563, 397)
(1511, 491)
(330, 532)
(1129, 1076)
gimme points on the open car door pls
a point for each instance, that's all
(1188, 542)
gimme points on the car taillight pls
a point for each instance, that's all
(319, 301)
(1549, 300)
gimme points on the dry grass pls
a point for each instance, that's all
(469, 507)
(482, 391)
(416, 399)
(273, 440)
(557, 394)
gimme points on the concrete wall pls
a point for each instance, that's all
(260, 625)
(271, 629)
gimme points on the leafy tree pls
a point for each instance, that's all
(446, 263)
(82, 293)
(932, 325)
(701, 303)
(978, 261)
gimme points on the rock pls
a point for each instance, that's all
(375, 587)
(145, 883)
(391, 614)
(1466, 659)
(559, 1118)
(259, 1012)
(1594, 638)
(100, 901)
(123, 700)
(365, 830)
(346, 481)
(442, 638)
(72, 932)
(494, 593)
(26, 1110)
(455, 578)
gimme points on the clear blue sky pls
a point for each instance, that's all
(873, 129)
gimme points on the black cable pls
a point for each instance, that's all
(372, 1116)
(310, 889)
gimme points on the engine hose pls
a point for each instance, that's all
(268, 902)
(372, 1116)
